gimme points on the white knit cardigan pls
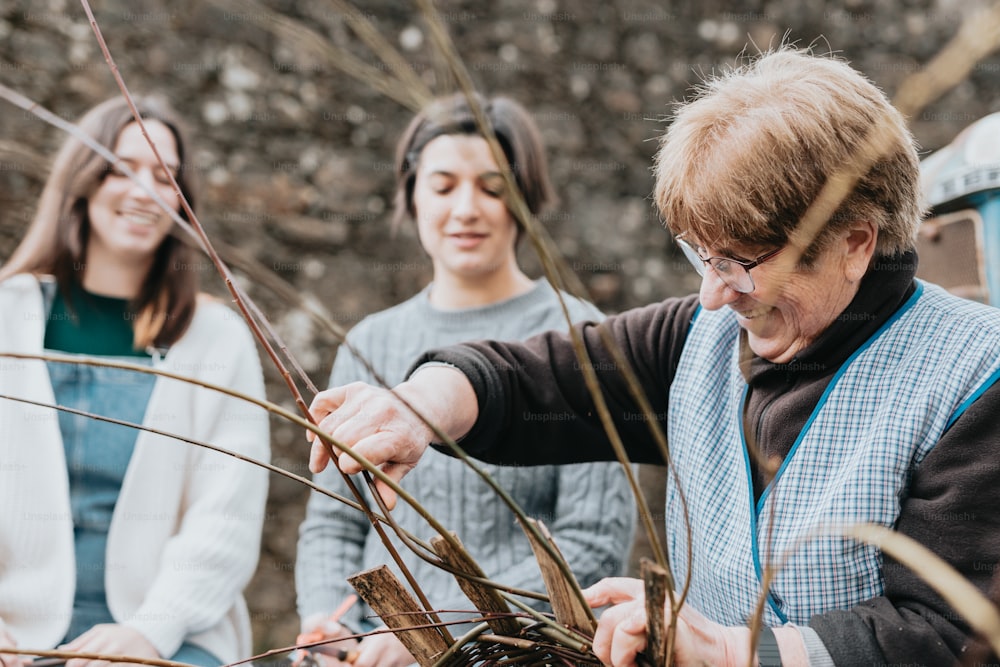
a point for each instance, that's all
(185, 534)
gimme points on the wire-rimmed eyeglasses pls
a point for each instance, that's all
(734, 272)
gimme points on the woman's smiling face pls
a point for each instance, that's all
(791, 305)
(126, 224)
(462, 217)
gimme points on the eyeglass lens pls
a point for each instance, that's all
(733, 274)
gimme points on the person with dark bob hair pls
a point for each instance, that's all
(813, 383)
(451, 187)
(113, 540)
(514, 129)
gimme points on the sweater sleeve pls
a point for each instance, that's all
(207, 563)
(332, 537)
(953, 508)
(533, 398)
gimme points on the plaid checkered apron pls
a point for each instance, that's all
(882, 413)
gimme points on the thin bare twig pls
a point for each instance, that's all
(397, 85)
(241, 301)
(70, 655)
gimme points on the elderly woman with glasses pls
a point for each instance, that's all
(812, 383)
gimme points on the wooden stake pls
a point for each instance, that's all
(566, 604)
(387, 597)
(484, 598)
(656, 579)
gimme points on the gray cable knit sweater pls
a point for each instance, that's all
(588, 507)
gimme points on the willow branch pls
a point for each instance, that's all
(554, 269)
(241, 300)
(408, 91)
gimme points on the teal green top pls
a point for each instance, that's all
(96, 325)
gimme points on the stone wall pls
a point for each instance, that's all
(294, 155)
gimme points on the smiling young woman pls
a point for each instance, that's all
(84, 191)
(126, 224)
(464, 225)
(124, 542)
(449, 183)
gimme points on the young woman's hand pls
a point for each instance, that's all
(6, 641)
(109, 639)
(319, 627)
(378, 650)
(382, 650)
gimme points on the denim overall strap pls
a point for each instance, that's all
(97, 456)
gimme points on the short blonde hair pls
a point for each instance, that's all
(746, 157)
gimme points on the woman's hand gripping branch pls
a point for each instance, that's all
(376, 424)
(621, 631)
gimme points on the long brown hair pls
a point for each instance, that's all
(56, 242)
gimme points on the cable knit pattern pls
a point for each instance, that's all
(185, 534)
(588, 507)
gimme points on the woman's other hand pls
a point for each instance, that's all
(109, 639)
(7, 641)
(621, 630)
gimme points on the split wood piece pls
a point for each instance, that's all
(485, 598)
(566, 604)
(387, 597)
(655, 578)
